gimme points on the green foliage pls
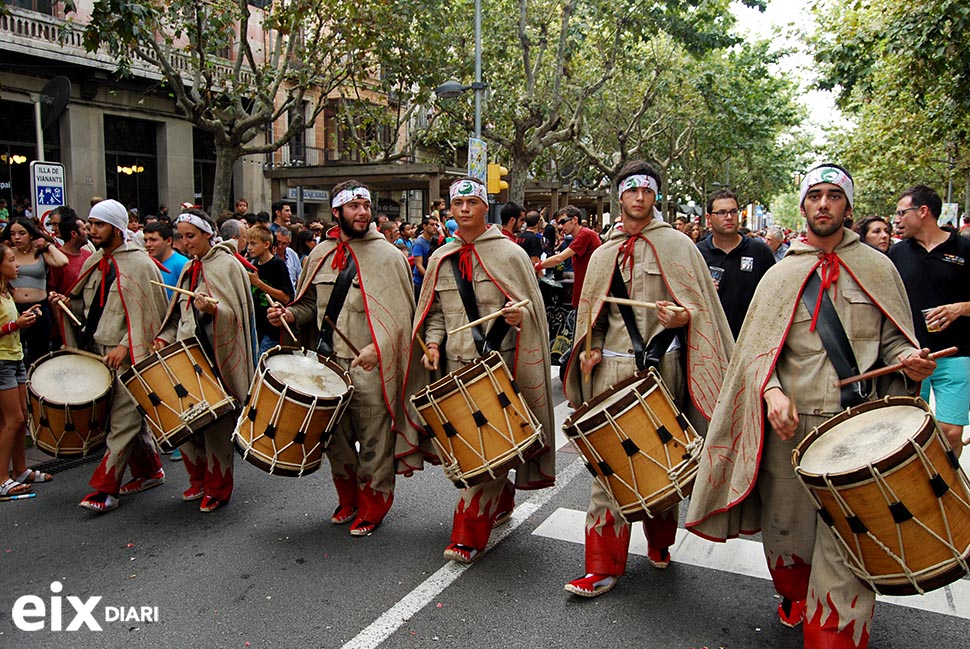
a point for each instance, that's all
(785, 211)
(902, 70)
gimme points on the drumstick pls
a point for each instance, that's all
(889, 369)
(274, 303)
(70, 313)
(646, 305)
(424, 348)
(589, 340)
(182, 291)
(490, 316)
(342, 336)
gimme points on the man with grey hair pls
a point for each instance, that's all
(235, 230)
(775, 240)
(283, 250)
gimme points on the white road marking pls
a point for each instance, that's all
(392, 619)
(743, 557)
(561, 412)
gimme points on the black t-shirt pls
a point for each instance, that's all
(274, 273)
(531, 243)
(743, 269)
(940, 276)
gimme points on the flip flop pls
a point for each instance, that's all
(14, 488)
(33, 476)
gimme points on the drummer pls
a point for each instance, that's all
(220, 316)
(120, 310)
(498, 273)
(359, 280)
(784, 366)
(689, 344)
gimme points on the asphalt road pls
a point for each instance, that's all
(270, 570)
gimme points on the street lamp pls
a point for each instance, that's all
(451, 89)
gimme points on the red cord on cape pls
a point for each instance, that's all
(196, 272)
(465, 261)
(830, 275)
(627, 248)
(104, 266)
(340, 256)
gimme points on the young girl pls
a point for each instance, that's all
(13, 391)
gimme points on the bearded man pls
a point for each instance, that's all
(362, 284)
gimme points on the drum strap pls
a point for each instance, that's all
(337, 298)
(651, 355)
(86, 336)
(836, 343)
(500, 328)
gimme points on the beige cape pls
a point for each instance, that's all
(143, 302)
(224, 278)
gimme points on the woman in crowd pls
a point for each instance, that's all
(303, 243)
(875, 232)
(35, 252)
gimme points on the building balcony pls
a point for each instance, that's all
(35, 34)
(290, 156)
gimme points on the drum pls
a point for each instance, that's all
(68, 402)
(638, 445)
(177, 392)
(295, 401)
(480, 422)
(888, 484)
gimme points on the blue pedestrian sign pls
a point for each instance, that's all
(47, 188)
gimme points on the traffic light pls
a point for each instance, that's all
(495, 182)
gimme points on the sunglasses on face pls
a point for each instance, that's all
(563, 221)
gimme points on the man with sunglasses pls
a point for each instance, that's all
(584, 242)
(935, 267)
(743, 260)
(781, 384)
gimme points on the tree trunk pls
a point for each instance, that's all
(518, 174)
(222, 185)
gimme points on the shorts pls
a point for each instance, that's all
(12, 373)
(951, 390)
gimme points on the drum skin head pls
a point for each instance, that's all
(70, 379)
(866, 438)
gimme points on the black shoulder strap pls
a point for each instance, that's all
(336, 302)
(651, 355)
(500, 328)
(834, 339)
(86, 335)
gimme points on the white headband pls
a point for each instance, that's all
(639, 180)
(113, 213)
(352, 194)
(466, 188)
(198, 222)
(825, 174)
